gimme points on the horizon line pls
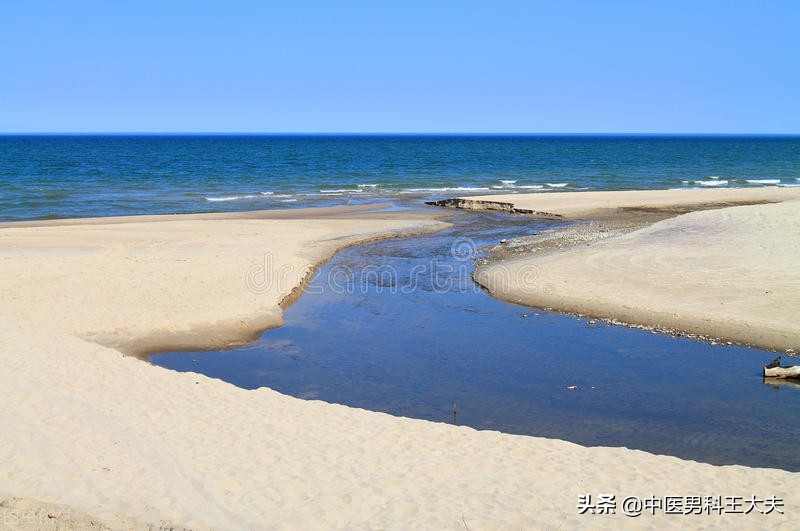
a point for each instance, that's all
(383, 133)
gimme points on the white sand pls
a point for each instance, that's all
(730, 273)
(173, 281)
(130, 444)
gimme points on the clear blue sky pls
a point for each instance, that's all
(404, 66)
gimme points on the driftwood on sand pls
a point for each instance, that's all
(774, 370)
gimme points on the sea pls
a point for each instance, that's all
(62, 176)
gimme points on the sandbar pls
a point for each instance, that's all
(617, 204)
(726, 273)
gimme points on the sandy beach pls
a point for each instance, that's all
(94, 437)
(724, 273)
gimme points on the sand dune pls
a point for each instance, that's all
(111, 440)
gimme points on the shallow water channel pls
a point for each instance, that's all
(398, 326)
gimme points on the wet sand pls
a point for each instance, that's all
(111, 440)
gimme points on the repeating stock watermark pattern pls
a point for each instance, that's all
(446, 274)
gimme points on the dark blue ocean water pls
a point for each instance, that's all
(84, 175)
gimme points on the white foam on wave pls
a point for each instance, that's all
(447, 189)
(469, 188)
(556, 185)
(230, 198)
(715, 181)
(368, 185)
(241, 196)
(517, 188)
(789, 185)
(215, 199)
(340, 191)
(763, 181)
(288, 200)
(505, 184)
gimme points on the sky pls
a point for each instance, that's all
(401, 66)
